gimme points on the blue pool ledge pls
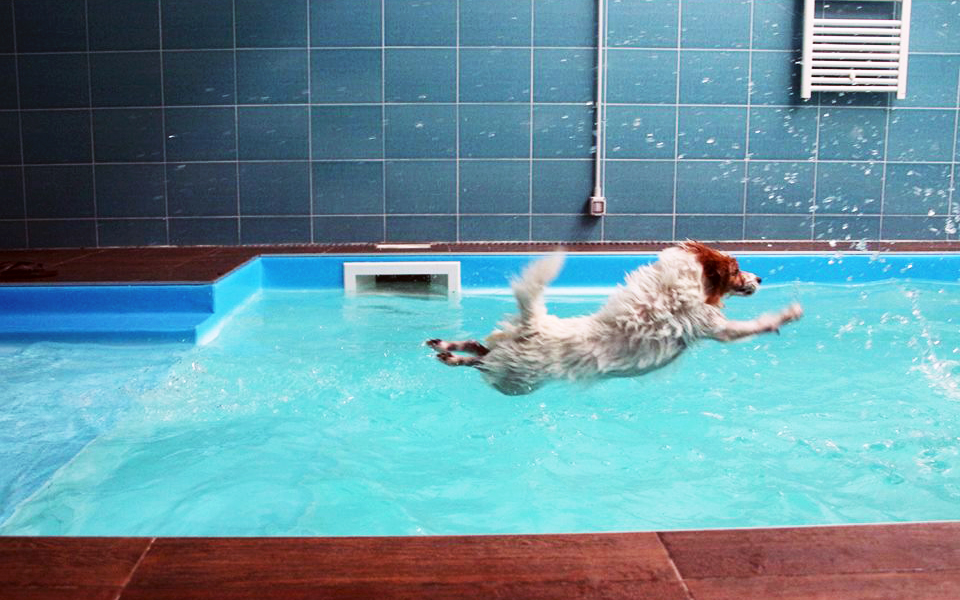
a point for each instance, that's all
(194, 313)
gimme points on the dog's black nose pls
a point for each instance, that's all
(759, 280)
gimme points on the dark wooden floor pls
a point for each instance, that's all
(207, 263)
(901, 562)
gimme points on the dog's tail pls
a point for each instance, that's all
(528, 288)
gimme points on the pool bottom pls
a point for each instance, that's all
(352, 428)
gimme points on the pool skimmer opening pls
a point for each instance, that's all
(421, 278)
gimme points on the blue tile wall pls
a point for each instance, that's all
(162, 122)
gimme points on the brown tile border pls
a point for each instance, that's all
(203, 264)
(915, 561)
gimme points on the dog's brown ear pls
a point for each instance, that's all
(718, 271)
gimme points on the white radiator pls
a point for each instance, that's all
(855, 55)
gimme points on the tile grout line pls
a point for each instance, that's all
(23, 167)
(93, 145)
(163, 129)
(456, 116)
(746, 149)
(383, 120)
(676, 123)
(533, 11)
(951, 206)
(236, 121)
(673, 566)
(311, 195)
(136, 566)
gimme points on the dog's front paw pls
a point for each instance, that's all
(792, 312)
(437, 344)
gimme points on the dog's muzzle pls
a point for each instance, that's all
(750, 284)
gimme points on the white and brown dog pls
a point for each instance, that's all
(660, 310)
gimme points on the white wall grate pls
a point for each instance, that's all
(855, 55)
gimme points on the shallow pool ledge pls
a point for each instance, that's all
(191, 313)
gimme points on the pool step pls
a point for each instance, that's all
(100, 326)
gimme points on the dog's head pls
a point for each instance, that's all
(721, 274)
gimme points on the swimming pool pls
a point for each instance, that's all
(304, 412)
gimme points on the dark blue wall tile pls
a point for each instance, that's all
(275, 188)
(564, 75)
(783, 133)
(931, 81)
(132, 232)
(495, 228)
(574, 228)
(274, 24)
(59, 192)
(54, 81)
(6, 26)
(345, 76)
(642, 76)
(198, 78)
(494, 131)
(420, 229)
(56, 136)
(644, 186)
(780, 187)
(495, 22)
(124, 25)
(710, 228)
(13, 234)
(204, 232)
(200, 134)
(643, 24)
(128, 135)
(62, 234)
(777, 24)
(494, 75)
(712, 132)
(913, 228)
(197, 25)
(769, 227)
(273, 77)
(921, 135)
(125, 79)
(51, 26)
(495, 186)
(131, 191)
(273, 133)
(710, 77)
(421, 187)
(641, 131)
(563, 131)
(425, 131)
(637, 228)
(849, 187)
(561, 186)
(11, 193)
(274, 230)
(418, 23)
(420, 75)
(935, 26)
(564, 23)
(353, 188)
(853, 100)
(9, 138)
(710, 187)
(347, 131)
(701, 24)
(852, 134)
(916, 189)
(8, 82)
(776, 79)
(345, 23)
(847, 227)
(202, 189)
(345, 230)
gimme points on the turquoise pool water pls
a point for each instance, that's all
(315, 414)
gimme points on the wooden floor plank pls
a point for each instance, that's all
(519, 567)
(856, 586)
(815, 550)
